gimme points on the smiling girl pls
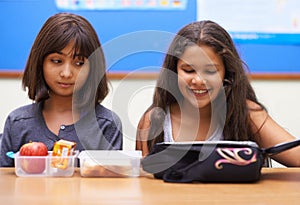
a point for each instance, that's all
(203, 93)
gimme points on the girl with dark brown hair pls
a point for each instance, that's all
(203, 93)
(65, 76)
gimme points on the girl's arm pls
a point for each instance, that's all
(271, 133)
(142, 134)
(5, 146)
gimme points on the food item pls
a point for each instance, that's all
(61, 151)
(91, 169)
(33, 164)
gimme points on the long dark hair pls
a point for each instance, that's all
(56, 33)
(237, 86)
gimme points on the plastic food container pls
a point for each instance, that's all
(110, 163)
(44, 166)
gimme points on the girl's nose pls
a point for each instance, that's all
(66, 71)
(198, 79)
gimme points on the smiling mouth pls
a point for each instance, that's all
(200, 91)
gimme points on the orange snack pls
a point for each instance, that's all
(61, 151)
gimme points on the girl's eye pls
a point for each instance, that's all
(79, 63)
(211, 72)
(56, 61)
(188, 70)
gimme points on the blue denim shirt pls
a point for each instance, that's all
(99, 129)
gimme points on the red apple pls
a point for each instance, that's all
(33, 164)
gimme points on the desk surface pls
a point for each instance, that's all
(277, 186)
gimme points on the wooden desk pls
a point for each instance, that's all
(277, 186)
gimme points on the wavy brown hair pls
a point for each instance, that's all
(237, 87)
(56, 33)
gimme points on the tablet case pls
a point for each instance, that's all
(209, 161)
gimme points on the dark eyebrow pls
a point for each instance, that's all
(58, 52)
(186, 64)
(212, 65)
(74, 56)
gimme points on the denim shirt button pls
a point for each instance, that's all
(62, 127)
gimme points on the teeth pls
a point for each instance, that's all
(199, 91)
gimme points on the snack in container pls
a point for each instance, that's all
(61, 151)
(110, 163)
(49, 170)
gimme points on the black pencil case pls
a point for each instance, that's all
(209, 161)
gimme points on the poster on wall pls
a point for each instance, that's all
(121, 4)
(266, 32)
(255, 21)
